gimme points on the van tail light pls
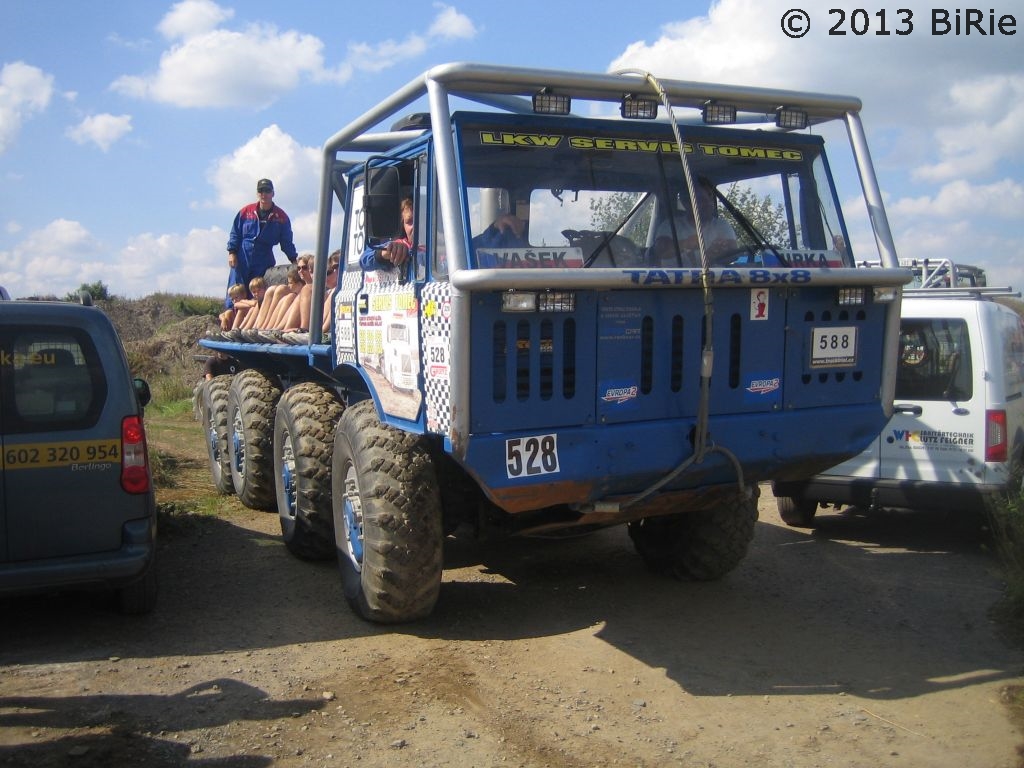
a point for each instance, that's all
(995, 436)
(134, 459)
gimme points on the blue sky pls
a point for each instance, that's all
(131, 132)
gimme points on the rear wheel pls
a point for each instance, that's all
(139, 597)
(214, 416)
(252, 400)
(387, 518)
(303, 442)
(796, 511)
(702, 545)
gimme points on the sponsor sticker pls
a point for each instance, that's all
(619, 395)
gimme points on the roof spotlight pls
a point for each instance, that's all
(635, 107)
(790, 119)
(714, 113)
(546, 102)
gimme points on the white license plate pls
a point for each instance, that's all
(834, 347)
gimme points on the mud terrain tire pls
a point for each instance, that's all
(303, 442)
(702, 545)
(252, 401)
(387, 518)
(214, 417)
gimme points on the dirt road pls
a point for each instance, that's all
(865, 644)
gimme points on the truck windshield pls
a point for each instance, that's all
(610, 194)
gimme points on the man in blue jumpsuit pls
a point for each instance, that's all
(257, 228)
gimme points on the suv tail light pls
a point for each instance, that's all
(134, 459)
(995, 436)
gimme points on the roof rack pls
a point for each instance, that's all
(943, 277)
(988, 292)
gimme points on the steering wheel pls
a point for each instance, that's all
(611, 249)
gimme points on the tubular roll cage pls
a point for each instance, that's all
(510, 89)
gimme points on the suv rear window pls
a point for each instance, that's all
(935, 360)
(53, 380)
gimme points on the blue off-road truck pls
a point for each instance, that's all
(568, 344)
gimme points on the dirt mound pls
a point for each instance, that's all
(158, 339)
(138, 319)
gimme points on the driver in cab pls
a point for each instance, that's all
(719, 236)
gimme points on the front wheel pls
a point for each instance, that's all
(387, 518)
(303, 442)
(703, 545)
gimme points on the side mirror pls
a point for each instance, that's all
(381, 203)
(142, 391)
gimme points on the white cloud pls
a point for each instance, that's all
(273, 154)
(101, 130)
(212, 66)
(383, 55)
(195, 263)
(960, 199)
(898, 76)
(63, 255)
(944, 114)
(449, 24)
(24, 91)
(221, 68)
(48, 258)
(192, 17)
(987, 116)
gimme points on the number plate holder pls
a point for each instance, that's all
(834, 347)
(531, 456)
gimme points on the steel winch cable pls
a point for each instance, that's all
(701, 445)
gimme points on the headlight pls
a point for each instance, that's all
(851, 297)
(885, 295)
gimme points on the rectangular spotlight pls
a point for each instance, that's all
(714, 113)
(547, 103)
(790, 119)
(638, 107)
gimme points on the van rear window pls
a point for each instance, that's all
(53, 380)
(934, 361)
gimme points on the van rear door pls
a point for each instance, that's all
(937, 431)
(61, 447)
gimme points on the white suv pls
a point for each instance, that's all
(956, 437)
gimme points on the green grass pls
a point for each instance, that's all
(171, 406)
(1007, 521)
(187, 304)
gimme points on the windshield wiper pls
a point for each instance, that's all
(760, 242)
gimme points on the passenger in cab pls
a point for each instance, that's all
(396, 252)
(719, 236)
(506, 231)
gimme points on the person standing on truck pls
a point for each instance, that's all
(257, 228)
